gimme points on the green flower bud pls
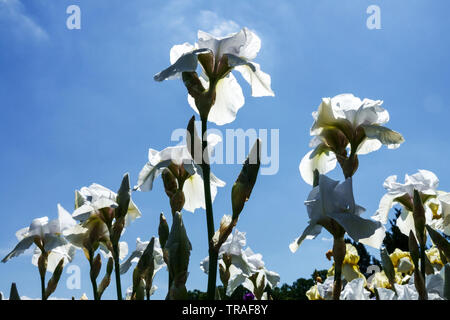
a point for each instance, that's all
(42, 264)
(419, 217)
(194, 143)
(170, 182)
(224, 274)
(177, 201)
(13, 293)
(178, 249)
(204, 99)
(123, 197)
(95, 267)
(53, 282)
(244, 184)
(107, 278)
(163, 230)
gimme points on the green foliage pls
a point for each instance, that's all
(395, 238)
(238, 294)
(297, 291)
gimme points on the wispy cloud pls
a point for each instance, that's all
(211, 22)
(13, 15)
(179, 20)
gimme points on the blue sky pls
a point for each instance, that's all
(81, 106)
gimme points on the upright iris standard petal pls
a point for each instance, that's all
(235, 51)
(349, 126)
(97, 197)
(436, 203)
(245, 44)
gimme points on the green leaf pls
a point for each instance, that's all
(419, 217)
(388, 267)
(447, 281)
(413, 249)
(442, 244)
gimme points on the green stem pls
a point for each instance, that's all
(43, 287)
(339, 255)
(213, 254)
(117, 270)
(93, 280)
(170, 285)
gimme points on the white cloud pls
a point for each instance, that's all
(12, 13)
(212, 23)
(180, 20)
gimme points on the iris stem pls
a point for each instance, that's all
(117, 270)
(213, 254)
(93, 280)
(339, 255)
(43, 287)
